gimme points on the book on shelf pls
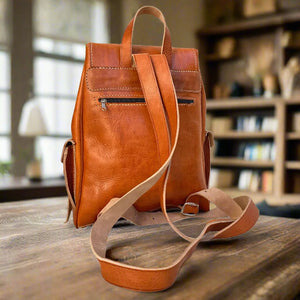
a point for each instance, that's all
(296, 183)
(256, 123)
(257, 151)
(246, 150)
(242, 124)
(255, 181)
(221, 178)
(208, 121)
(221, 124)
(267, 181)
(296, 121)
(269, 124)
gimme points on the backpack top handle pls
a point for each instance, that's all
(126, 45)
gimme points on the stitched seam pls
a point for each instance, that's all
(81, 149)
(136, 89)
(129, 88)
(74, 173)
(195, 59)
(120, 95)
(184, 71)
(116, 88)
(122, 104)
(134, 69)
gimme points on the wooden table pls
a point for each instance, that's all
(20, 188)
(43, 258)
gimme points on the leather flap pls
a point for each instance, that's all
(105, 79)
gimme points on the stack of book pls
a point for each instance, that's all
(256, 123)
(221, 124)
(256, 181)
(246, 150)
(257, 151)
(221, 178)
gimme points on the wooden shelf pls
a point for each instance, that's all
(252, 24)
(20, 188)
(240, 103)
(293, 135)
(292, 47)
(244, 135)
(292, 165)
(248, 102)
(216, 57)
(291, 199)
(239, 162)
(293, 101)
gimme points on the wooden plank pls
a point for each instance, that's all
(43, 258)
(252, 24)
(256, 196)
(293, 135)
(248, 102)
(284, 199)
(293, 101)
(240, 103)
(244, 135)
(293, 165)
(288, 199)
(17, 188)
(279, 168)
(239, 162)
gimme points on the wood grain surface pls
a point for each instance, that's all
(43, 258)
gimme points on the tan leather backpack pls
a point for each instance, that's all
(139, 146)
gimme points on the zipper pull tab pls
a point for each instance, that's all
(103, 104)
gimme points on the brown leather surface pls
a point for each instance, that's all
(241, 212)
(111, 144)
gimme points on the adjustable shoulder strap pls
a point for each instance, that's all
(156, 81)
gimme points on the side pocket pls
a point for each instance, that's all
(68, 160)
(208, 143)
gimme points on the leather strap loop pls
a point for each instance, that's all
(126, 45)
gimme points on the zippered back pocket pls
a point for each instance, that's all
(104, 101)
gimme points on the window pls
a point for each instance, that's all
(5, 146)
(59, 46)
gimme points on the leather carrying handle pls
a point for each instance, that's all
(126, 45)
(155, 75)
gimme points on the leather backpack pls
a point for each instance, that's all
(139, 147)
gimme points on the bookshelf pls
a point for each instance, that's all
(284, 166)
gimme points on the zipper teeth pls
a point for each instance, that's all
(137, 100)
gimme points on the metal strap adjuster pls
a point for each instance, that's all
(190, 204)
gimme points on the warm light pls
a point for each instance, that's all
(32, 122)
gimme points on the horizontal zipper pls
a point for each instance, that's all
(104, 101)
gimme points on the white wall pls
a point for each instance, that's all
(184, 18)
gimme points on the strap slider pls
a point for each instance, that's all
(189, 204)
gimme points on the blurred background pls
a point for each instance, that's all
(249, 54)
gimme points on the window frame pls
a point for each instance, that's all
(62, 58)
